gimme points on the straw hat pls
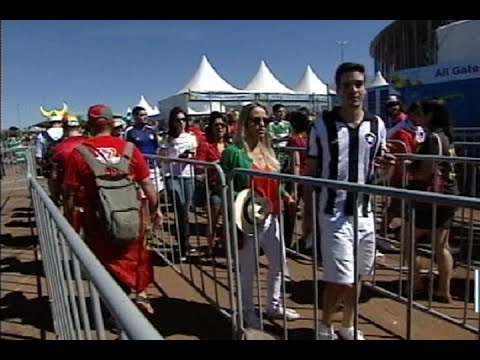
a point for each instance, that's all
(250, 210)
(70, 120)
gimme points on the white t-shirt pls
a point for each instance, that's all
(176, 147)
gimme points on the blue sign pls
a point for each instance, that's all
(436, 73)
(461, 97)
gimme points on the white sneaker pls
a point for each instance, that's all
(325, 332)
(279, 311)
(252, 321)
(349, 334)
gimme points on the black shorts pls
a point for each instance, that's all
(424, 217)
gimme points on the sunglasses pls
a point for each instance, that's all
(257, 120)
(182, 119)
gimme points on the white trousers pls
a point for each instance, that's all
(269, 240)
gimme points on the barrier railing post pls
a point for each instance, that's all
(315, 237)
(239, 326)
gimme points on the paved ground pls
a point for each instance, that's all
(182, 312)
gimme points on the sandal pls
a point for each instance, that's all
(143, 302)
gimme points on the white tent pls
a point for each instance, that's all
(378, 81)
(151, 111)
(206, 79)
(311, 84)
(265, 82)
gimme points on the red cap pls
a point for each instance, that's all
(100, 113)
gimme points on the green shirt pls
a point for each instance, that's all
(236, 157)
(279, 130)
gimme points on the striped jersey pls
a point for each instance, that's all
(345, 153)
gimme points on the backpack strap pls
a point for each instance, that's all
(97, 167)
(124, 164)
(436, 176)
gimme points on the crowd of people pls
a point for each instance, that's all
(346, 143)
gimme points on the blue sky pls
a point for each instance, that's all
(86, 62)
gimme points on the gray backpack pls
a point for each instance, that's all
(118, 203)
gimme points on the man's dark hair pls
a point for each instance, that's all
(346, 68)
(276, 107)
(136, 110)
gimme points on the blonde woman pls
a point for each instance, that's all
(252, 150)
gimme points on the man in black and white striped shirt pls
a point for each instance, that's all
(345, 144)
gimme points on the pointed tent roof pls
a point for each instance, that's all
(378, 81)
(265, 82)
(311, 84)
(144, 103)
(207, 79)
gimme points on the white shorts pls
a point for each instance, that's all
(336, 234)
(157, 180)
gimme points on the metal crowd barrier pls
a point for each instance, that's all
(201, 264)
(74, 275)
(358, 190)
(13, 163)
(466, 242)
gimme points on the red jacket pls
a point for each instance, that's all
(408, 145)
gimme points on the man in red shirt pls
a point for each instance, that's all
(395, 112)
(132, 265)
(60, 155)
(61, 152)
